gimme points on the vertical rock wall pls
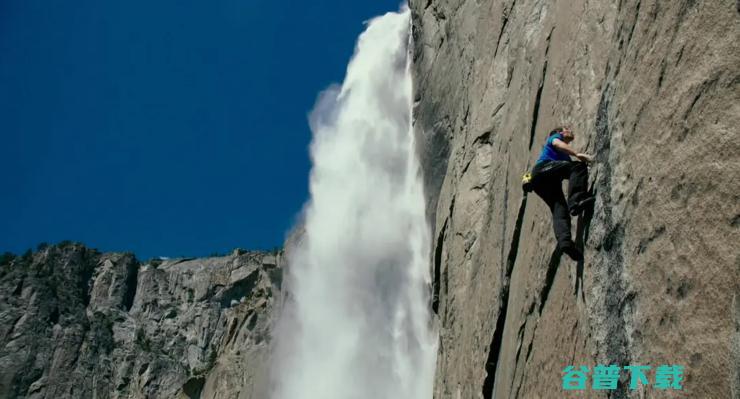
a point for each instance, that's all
(651, 88)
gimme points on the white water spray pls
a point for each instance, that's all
(358, 323)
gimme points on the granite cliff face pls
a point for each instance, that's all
(651, 88)
(75, 323)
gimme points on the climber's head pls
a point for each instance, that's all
(565, 131)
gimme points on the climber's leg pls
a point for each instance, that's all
(578, 197)
(561, 221)
(551, 192)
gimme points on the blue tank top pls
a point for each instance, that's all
(550, 153)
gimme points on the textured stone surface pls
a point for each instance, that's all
(651, 88)
(75, 323)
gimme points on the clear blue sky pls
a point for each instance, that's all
(167, 127)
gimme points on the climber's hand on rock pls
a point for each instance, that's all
(585, 157)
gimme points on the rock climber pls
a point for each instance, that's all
(545, 179)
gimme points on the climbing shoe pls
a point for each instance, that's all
(573, 252)
(580, 205)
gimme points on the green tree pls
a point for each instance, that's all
(6, 258)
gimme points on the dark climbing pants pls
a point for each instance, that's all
(548, 177)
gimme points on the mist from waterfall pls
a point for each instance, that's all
(356, 323)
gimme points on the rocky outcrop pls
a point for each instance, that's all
(651, 88)
(75, 323)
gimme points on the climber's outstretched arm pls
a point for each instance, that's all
(562, 146)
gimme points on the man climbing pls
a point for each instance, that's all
(554, 165)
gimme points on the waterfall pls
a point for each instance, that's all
(357, 323)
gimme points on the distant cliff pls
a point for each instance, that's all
(651, 88)
(76, 323)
